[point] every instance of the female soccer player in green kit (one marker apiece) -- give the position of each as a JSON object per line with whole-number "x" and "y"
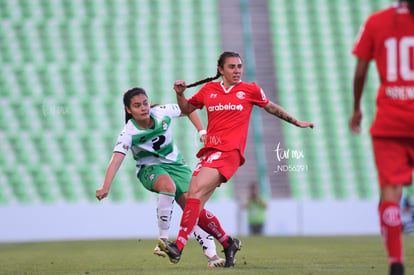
{"x": 160, "y": 166}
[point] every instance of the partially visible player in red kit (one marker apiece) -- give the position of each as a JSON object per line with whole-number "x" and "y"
{"x": 388, "y": 38}
{"x": 229, "y": 104}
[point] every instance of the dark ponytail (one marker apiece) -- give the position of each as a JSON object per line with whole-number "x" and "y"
{"x": 220, "y": 63}
{"x": 205, "y": 80}
{"x": 127, "y": 99}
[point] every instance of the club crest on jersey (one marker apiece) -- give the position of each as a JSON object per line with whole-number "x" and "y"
{"x": 241, "y": 95}
{"x": 213, "y": 95}
{"x": 164, "y": 125}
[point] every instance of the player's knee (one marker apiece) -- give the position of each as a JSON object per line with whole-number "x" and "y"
{"x": 164, "y": 184}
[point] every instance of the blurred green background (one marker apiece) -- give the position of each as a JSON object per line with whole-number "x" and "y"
{"x": 65, "y": 64}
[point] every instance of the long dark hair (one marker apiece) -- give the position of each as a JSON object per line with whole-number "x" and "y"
{"x": 127, "y": 99}
{"x": 220, "y": 63}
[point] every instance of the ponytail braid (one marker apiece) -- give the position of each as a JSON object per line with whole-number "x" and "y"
{"x": 205, "y": 80}
{"x": 220, "y": 63}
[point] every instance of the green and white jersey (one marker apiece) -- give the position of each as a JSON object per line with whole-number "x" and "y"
{"x": 152, "y": 146}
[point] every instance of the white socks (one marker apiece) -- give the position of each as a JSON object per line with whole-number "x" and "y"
{"x": 206, "y": 241}
{"x": 165, "y": 206}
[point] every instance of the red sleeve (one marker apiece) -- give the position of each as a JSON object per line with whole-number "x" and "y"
{"x": 258, "y": 96}
{"x": 364, "y": 45}
{"x": 197, "y": 100}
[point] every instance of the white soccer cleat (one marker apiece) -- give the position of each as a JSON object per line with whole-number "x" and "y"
{"x": 159, "y": 252}
{"x": 215, "y": 261}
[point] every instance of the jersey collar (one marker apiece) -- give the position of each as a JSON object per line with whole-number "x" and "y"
{"x": 137, "y": 126}
{"x": 229, "y": 89}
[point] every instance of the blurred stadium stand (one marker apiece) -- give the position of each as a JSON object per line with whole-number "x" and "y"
{"x": 312, "y": 43}
{"x": 64, "y": 66}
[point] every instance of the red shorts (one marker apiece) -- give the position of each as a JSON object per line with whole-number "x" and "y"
{"x": 226, "y": 163}
{"x": 394, "y": 158}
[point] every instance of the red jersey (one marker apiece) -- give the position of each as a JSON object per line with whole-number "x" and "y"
{"x": 388, "y": 37}
{"x": 228, "y": 113}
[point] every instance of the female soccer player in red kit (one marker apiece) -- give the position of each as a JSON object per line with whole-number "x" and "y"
{"x": 388, "y": 38}
{"x": 229, "y": 104}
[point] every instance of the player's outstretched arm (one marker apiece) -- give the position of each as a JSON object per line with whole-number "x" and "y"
{"x": 110, "y": 173}
{"x": 276, "y": 110}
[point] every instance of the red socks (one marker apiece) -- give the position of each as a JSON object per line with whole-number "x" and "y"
{"x": 206, "y": 220}
{"x": 188, "y": 221}
{"x": 209, "y": 223}
{"x": 391, "y": 230}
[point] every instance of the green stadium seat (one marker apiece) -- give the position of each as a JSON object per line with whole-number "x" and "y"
{"x": 312, "y": 47}
{"x": 63, "y": 71}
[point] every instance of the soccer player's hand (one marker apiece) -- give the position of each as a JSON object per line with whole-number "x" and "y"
{"x": 203, "y": 135}
{"x": 179, "y": 86}
{"x": 101, "y": 193}
{"x": 304, "y": 124}
{"x": 355, "y": 122}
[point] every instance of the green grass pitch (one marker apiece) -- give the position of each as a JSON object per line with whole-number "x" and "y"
{"x": 259, "y": 255}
